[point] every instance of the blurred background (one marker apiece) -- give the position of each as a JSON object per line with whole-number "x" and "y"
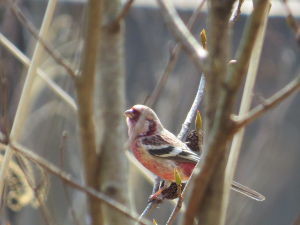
{"x": 270, "y": 154}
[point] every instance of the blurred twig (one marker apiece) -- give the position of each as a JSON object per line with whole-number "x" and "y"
{"x": 69, "y": 201}
{"x": 22, "y": 107}
{"x": 195, "y": 51}
{"x": 84, "y": 84}
{"x": 55, "y": 54}
{"x": 291, "y": 21}
{"x": 236, "y": 13}
{"x": 41, "y": 204}
{"x": 269, "y": 103}
{"x": 76, "y": 185}
{"x": 26, "y": 61}
{"x": 125, "y": 10}
{"x": 297, "y": 221}
{"x": 172, "y": 60}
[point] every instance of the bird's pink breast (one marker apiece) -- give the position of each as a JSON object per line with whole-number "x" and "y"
{"x": 161, "y": 167}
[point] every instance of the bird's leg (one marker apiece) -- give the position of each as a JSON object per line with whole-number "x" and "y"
{"x": 154, "y": 196}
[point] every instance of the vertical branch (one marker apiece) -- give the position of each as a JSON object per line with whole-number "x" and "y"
{"x": 85, "y": 99}
{"x": 109, "y": 108}
{"x": 245, "y": 105}
{"x": 22, "y": 109}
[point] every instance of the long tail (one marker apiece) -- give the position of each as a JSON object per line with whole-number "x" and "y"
{"x": 247, "y": 191}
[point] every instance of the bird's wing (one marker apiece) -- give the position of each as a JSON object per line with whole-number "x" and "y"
{"x": 166, "y": 145}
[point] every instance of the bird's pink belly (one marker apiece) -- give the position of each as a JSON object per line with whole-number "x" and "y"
{"x": 165, "y": 170}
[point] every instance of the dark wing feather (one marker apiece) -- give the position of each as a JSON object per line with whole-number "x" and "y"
{"x": 168, "y": 146}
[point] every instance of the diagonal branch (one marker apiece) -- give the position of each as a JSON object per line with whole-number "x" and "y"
{"x": 195, "y": 51}
{"x": 26, "y": 61}
{"x": 22, "y": 107}
{"x": 172, "y": 60}
{"x": 65, "y": 177}
{"x": 269, "y": 103}
{"x": 55, "y": 54}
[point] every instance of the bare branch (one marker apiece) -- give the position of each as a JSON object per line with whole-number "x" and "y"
{"x": 195, "y": 51}
{"x": 26, "y": 61}
{"x": 153, "y": 204}
{"x": 244, "y": 108}
{"x": 236, "y": 13}
{"x": 172, "y": 60}
{"x": 41, "y": 204}
{"x": 65, "y": 177}
{"x": 187, "y": 123}
{"x": 291, "y": 21}
{"x": 112, "y": 166}
{"x": 125, "y": 10}
{"x": 269, "y": 103}
{"x": 212, "y": 165}
{"x": 55, "y": 54}
{"x": 84, "y": 83}
{"x": 69, "y": 201}
{"x": 22, "y": 107}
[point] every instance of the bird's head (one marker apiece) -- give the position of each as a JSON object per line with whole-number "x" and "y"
{"x": 141, "y": 114}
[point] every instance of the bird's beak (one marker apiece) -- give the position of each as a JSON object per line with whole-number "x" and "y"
{"x": 129, "y": 113}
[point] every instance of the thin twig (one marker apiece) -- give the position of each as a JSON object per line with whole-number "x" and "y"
{"x": 55, "y": 54}
{"x": 172, "y": 60}
{"x": 41, "y": 204}
{"x": 153, "y": 204}
{"x": 195, "y": 51}
{"x": 76, "y": 185}
{"x": 291, "y": 21}
{"x": 187, "y": 123}
{"x": 269, "y": 103}
{"x": 22, "y": 107}
{"x": 64, "y": 138}
{"x": 236, "y": 13}
{"x": 297, "y": 220}
{"x": 125, "y": 10}
{"x": 177, "y": 207}
{"x": 26, "y": 61}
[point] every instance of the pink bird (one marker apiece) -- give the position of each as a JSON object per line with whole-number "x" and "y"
{"x": 160, "y": 151}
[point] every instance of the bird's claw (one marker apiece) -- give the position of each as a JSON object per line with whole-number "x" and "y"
{"x": 155, "y": 198}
